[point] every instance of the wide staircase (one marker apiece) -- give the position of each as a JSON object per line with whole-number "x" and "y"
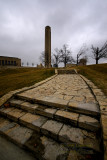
{"x": 52, "y": 131}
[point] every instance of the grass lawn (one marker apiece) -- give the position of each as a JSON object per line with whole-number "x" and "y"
{"x": 12, "y": 79}
{"x": 97, "y": 74}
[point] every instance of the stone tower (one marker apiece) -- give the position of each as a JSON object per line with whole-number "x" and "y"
{"x": 47, "y": 46}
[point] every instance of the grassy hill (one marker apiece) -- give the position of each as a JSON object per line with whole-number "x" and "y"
{"x": 97, "y": 74}
{"x": 12, "y": 79}
{"x": 16, "y": 78}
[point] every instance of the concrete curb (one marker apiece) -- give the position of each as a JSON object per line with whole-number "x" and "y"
{"x": 102, "y": 100}
{"x": 9, "y": 95}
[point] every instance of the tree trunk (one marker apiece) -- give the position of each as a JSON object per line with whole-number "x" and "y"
{"x": 77, "y": 59}
{"x": 97, "y": 56}
{"x": 96, "y": 61}
{"x": 65, "y": 62}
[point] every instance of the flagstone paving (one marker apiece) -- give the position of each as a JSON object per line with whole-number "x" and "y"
{"x": 65, "y": 91}
{"x": 59, "y": 119}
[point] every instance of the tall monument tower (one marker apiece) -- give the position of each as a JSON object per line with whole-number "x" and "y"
{"x": 47, "y": 46}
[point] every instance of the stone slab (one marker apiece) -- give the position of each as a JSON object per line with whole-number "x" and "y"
{"x": 33, "y": 121}
{"x": 89, "y": 123}
{"x": 79, "y": 136}
{"x": 2, "y": 121}
{"x": 14, "y": 132}
{"x": 29, "y": 107}
{"x": 47, "y": 112}
{"x": 52, "y": 101}
{"x": 39, "y": 122}
{"x": 68, "y": 117}
{"x": 19, "y": 135}
{"x": 15, "y": 114}
{"x": 85, "y": 108}
{"x": 15, "y": 102}
{"x": 46, "y": 148}
{"x": 5, "y": 125}
{"x": 51, "y": 128}
{"x": 4, "y": 111}
{"x": 53, "y": 150}
{"x": 40, "y": 110}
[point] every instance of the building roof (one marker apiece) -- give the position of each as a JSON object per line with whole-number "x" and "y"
{"x": 9, "y": 57}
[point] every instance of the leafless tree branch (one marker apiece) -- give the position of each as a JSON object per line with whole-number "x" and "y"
{"x": 99, "y": 53}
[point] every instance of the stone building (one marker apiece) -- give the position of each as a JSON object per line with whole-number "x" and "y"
{"x": 40, "y": 65}
{"x": 9, "y": 61}
{"x": 82, "y": 62}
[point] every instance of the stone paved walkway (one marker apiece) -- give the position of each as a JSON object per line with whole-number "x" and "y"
{"x": 59, "y": 119}
{"x": 69, "y": 90}
{"x": 66, "y": 87}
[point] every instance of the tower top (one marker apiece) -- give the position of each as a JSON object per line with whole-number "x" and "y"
{"x": 47, "y": 27}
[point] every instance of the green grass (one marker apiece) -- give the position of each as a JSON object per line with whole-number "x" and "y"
{"x": 97, "y": 74}
{"x": 12, "y": 79}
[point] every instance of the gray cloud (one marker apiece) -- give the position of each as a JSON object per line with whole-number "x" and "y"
{"x": 22, "y": 25}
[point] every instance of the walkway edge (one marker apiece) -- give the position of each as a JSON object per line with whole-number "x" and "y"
{"x": 102, "y": 100}
{"x": 10, "y": 94}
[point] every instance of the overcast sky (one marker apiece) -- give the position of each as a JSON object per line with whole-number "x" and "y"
{"x": 72, "y": 22}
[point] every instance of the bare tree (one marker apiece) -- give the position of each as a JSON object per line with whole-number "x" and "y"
{"x": 65, "y": 55}
{"x": 56, "y": 59}
{"x": 99, "y": 53}
{"x": 81, "y": 52}
{"x": 42, "y": 58}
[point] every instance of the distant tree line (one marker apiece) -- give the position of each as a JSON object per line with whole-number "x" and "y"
{"x": 64, "y": 55}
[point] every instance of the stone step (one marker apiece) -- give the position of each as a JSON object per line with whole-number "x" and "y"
{"x": 42, "y": 147}
{"x": 54, "y": 129}
{"x": 16, "y": 133}
{"x": 66, "y": 71}
{"x": 90, "y": 109}
{"x": 74, "y": 119}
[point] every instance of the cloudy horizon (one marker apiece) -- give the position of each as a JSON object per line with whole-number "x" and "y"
{"x": 22, "y": 26}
